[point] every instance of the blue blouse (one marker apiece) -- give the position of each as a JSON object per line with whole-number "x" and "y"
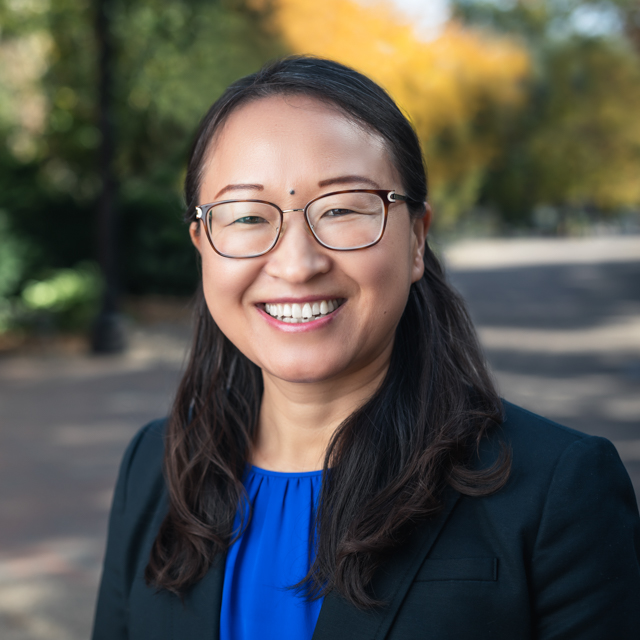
{"x": 272, "y": 554}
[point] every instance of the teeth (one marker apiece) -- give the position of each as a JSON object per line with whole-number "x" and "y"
{"x": 295, "y": 313}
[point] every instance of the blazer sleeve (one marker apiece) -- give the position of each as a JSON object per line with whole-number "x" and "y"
{"x": 111, "y": 618}
{"x": 586, "y": 560}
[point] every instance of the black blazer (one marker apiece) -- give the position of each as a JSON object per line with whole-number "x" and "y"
{"x": 553, "y": 555}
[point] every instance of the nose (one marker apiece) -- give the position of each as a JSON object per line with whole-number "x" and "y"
{"x": 297, "y": 257}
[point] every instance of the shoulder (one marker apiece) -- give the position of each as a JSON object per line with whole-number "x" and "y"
{"x": 581, "y": 525}
{"x": 528, "y": 429}
{"x": 147, "y": 444}
{"x": 554, "y": 552}
{"x": 558, "y": 474}
{"x": 561, "y": 457}
{"x": 540, "y": 446}
{"x": 141, "y": 467}
{"x": 553, "y": 469}
{"x": 139, "y": 502}
{"x": 139, "y": 505}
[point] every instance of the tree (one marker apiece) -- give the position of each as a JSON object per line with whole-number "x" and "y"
{"x": 576, "y": 144}
{"x": 173, "y": 58}
{"x": 455, "y": 88}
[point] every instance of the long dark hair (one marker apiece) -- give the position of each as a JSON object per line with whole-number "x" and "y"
{"x": 391, "y": 459}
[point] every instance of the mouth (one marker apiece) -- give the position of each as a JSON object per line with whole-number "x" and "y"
{"x": 299, "y": 313}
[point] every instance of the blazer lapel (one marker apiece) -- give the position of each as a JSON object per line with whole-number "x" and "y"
{"x": 338, "y": 619}
{"x": 199, "y": 615}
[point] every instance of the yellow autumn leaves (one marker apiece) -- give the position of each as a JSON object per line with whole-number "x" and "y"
{"x": 444, "y": 84}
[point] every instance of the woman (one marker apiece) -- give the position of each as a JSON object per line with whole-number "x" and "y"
{"x": 337, "y": 463}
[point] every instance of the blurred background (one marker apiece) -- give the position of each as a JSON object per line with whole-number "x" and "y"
{"x": 529, "y": 115}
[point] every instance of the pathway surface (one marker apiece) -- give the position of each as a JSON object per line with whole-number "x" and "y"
{"x": 560, "y": 321}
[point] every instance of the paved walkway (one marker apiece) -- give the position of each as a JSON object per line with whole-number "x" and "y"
{"x": 560, "y": 321}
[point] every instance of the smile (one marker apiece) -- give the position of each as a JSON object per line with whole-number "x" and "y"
{"x": 294, "y": 313}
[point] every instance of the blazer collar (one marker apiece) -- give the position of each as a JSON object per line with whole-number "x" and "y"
{"x": 339, "y": 619}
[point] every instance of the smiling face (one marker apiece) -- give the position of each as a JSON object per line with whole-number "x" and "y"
{"x": 290, "y": 150}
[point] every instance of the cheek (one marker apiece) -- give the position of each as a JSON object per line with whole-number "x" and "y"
{"x": 225, "y": 282}
{"x": 385, "y": 278}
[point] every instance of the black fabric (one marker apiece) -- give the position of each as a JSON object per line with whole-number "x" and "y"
{"x": 554, "y": 555}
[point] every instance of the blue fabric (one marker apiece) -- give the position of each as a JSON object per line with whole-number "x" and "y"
{"x": 272, "y": 554}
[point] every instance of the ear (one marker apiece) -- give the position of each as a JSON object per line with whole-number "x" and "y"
{"x": 195, "y": 235}
{"x": 420, "y": 231}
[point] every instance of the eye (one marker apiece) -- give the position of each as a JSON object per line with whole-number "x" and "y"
{"x": 337, "y": 213}
{"x": 249, "y": 220}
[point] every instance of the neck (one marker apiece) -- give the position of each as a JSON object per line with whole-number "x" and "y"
{"x": 297, "y": 420}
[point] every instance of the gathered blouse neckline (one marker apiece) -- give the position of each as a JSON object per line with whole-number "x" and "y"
{"x": 282, "y": 474}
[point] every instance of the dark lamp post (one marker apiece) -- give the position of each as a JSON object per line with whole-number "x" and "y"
{"x": 108, "y": 332}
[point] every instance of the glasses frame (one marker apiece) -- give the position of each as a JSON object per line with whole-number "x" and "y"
{"x": 388, "y": 196}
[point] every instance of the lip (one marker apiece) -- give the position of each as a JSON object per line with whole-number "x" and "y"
{"x": 302, "y": 326}
{"x": 302, "y": 300}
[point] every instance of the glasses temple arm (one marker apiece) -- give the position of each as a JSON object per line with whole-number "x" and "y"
{"x": 396, "y": 197}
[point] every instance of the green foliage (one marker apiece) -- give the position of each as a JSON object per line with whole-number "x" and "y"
{"x": 528, "y": 19}
{"x": 574, "y": 144}
{"x": 156, "y": 253}
{"x": 575, "y": 147}
{"x": 172, "y": 59}
{"x": 587, "y": 146}
{"x": 179, "y": 57}
{"x": 53, "y": 227}
{"x": 12, "y": 258}
{"x": 68, "y": 298}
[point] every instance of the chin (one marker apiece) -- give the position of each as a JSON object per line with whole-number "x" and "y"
{"x": 303, "y": 372}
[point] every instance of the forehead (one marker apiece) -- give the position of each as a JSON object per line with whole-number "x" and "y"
{"x": 292, "y": 141}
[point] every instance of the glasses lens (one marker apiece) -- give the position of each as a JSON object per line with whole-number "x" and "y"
{"x": 347, "y": 220}
{"x": 243, "y": 229}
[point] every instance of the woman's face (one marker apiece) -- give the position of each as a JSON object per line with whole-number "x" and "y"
{"x": 289, "y": 150}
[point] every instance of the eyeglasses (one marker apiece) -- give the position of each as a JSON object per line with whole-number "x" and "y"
{"x": 341, "y": 220}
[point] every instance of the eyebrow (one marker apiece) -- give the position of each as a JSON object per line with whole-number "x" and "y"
{"x": 239, "y": 187}
{"x": 322, "y": 183}
{"x": 348, "y": 180}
